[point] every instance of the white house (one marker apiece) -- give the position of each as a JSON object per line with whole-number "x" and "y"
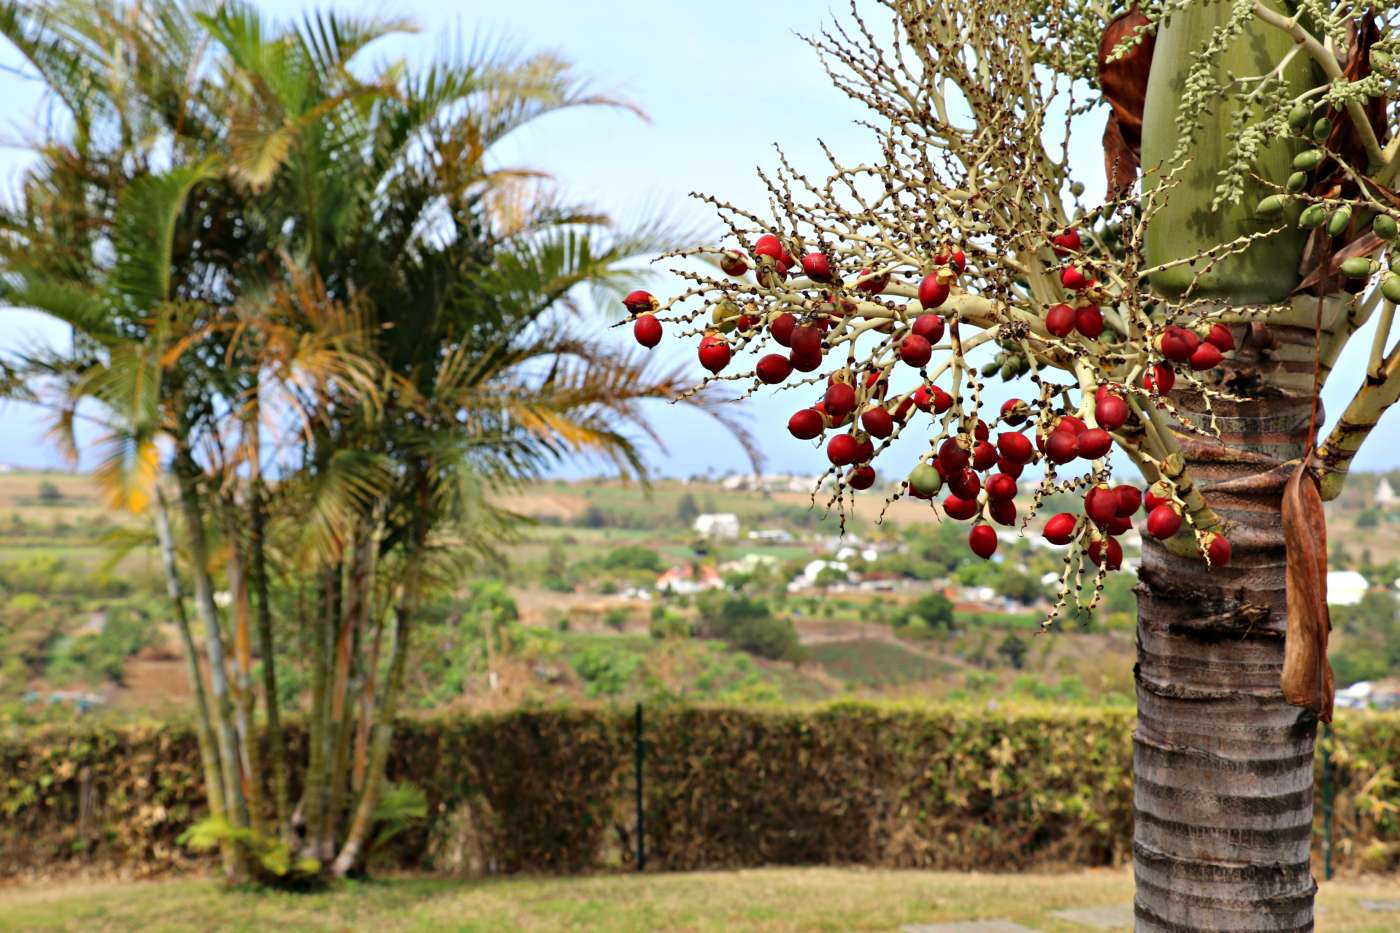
{"x": 1385, "y": 494}
{"x": 718, "y": 525}
{"x": 1345, "y": 587}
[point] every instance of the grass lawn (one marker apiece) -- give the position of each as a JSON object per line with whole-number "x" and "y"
{"x": 763, "y": 899}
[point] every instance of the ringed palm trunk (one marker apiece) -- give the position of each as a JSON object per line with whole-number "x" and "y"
{"x": 1222, "y": 764}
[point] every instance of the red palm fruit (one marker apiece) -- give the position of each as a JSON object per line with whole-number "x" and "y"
{"x": 929, "y": 327}
{"x": 733, "y": 263}
{"x": 876, "y": 384}
{"x": 746, "y": 322}
{"x": 1207, "y": 356}
{"x": 1157, "y": 494}
{"x": 1070, "y": 423}
{"x": 1088, "y": 320}
{"x": 865, "y": 448}
{"x": 843, "y": 449}
{"x": 1106, "y": 554}
{"x": 1014, "y": 411}
{"x": 832, "y": 422}
{"x": 1014, "y": 447}
{"x": 1012, "y": 470}
{"x": 1061, "y": 447}
{"x": 1073, "y": 279}
{"x": 872, "y": 285}
{"x": 1001, "y": 487}
{"x": 959, "y": 509}
{"x": 915, "y": 351}
{"x": 782, "y": 326}
{"x": 1101, "y": 504}
{"x": 942, "y": 401}
{"x": 932, "y": 293}
{"x": 770, "y": 246}
{"x": 773, "y": 368}
{"x": 862, "y": 477}
{"x": 1060, "y": 528}
{"x": 1119, "y": 524}
{"x": 1176, "y": 343}
{"x": 1110, "y": 411}
{"x": 1059, "y": 320}
{"x": 1094, "y": 443}
{"x": 806, "y": 340}
{"x": 1221, "y": 338}
{"x": 980, "y": 431}
{"x": 1066, "y": 243}
{"x": 1129, "y": 498}
{"x": 1164, "y": 521}
{"x": 952, "y": 455}
{"x": 804, "y": 363}
{"x": 982, "y": 539}
{"x": 806, "y": 424}
{"x": 923, "y": 398}
{"x": 1218, "y": 549}
{"x": 770, "y": 273}
{"x": 965, "y": 484}
{"x": 647, "y": 330}
{"x": 715, "y": 353}
{"x": 903, "y": 409}
{"x": 1003, "y": 512}
{"x": 817, "y": 267}
{"x": 1160, "y": 379}
{"x": 877, "y": 421}
{"x": 840, "y": 399}
{"x": 957, "y": 261}
{"x": 984, "y": 456}
{"x": 640, "y": 302}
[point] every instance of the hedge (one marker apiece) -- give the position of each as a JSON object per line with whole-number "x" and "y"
{"x": 552, "y": 791}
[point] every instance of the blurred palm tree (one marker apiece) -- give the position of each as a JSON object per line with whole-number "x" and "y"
{"x": 303, "y": 280}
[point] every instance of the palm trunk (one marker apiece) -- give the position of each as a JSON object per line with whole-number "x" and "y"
{"x": 363, "y": 820}
{"x": 257, "y": 546}
{"x": 341, "y": 700}
{"x": 234, "y": 802}
{"x": 245, "y": 696}
{"x": 1223, "y": 766}
{"x": 313, "y": 803}
{"x": 204, "y": 729}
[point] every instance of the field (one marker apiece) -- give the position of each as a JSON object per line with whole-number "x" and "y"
{"x": 771, "y": 899}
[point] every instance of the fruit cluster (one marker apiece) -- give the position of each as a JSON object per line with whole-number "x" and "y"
{"x": 912, "y": 327}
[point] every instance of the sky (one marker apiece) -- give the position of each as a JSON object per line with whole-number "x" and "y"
{"x": 720, "y": 84}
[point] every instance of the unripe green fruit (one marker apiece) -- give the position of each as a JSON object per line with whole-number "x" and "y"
{"x": 1395, "y": 265}
{"x": 1297, "y": 182}
{"x": 1390, "y": 288}
{"x": 1321, "y": 128}
{"x": 1339, "y": 221}
{"x": 1359, "y": 267}
{"x": 991, "y": 369}
{"x": 1077, "y": 188}
{"x": 1271, "y": 206}
{"x": 1384, "y": 226}
{"x": 1380, "y": 61}
{"x": 1308, "y": 159}
{"x": 1314, "y": 215}
{"x": 925, "y": 480}
{"x": 1299, "y": 115}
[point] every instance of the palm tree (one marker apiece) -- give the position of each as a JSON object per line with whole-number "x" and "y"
{"x": 328, "y": 307}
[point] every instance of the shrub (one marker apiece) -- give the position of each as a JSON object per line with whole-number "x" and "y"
{"x": 746, "y": 623}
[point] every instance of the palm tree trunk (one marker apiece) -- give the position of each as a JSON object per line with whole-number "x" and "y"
{"x": 1223, "y": 766}
{"x": 341, "y": 701}
{"x": 257, "y": 547}
{"x": 204, "y": 729}
{"x": 234, "y": 802}
{"x": 245, "y": 697}
{"x": 313, "y": 803}
{"x": 363, "y": 820}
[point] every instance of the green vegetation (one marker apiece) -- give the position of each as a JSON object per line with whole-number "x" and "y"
{"x": 770, "y": 899}
{"x": 870, "y": 663}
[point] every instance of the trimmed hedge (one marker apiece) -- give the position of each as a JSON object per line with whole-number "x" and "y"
{"x": 553, "y": 791}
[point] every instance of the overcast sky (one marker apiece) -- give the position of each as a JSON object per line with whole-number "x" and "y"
{"x": 721, "y": 84}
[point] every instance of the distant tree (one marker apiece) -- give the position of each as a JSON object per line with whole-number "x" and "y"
{"x": 634, "y": 557}
{"x": 932, "y": 609}
{"x": 1013, "y": 649}
{"x": 1369, "y": 518}
{"x": 49, "y": 493}
{"x": 686, "y": 510}
{"x": 748, "y": 625}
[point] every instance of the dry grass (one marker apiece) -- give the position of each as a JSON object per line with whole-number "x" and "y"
{"x": 776, "y": 899}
